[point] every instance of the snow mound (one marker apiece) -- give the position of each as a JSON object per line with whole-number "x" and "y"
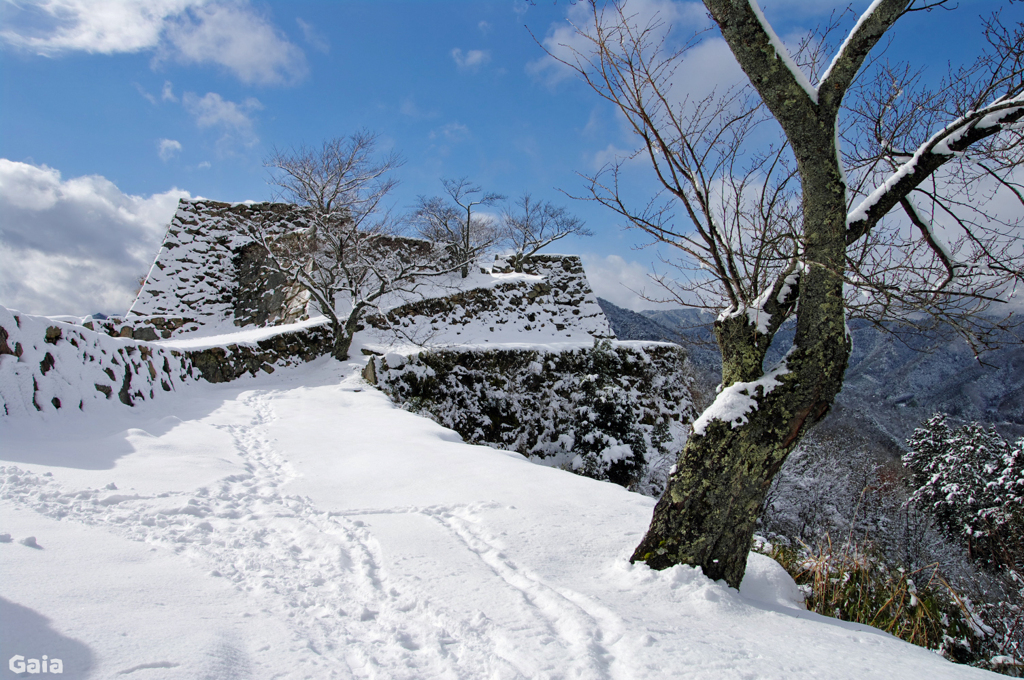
{"x": 766, "y": 581}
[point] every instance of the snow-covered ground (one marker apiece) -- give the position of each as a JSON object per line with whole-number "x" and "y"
{"x": 298, "y": 525}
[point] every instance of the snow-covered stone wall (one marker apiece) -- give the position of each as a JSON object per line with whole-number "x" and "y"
{"x": 209, "y": 272}
{"x": 614, "y": 411}
{"x": 208, "y": 269}
{"x": 208, "y": 279}
{"x": 552, "y": 303}
{"x": 48, "y": 365}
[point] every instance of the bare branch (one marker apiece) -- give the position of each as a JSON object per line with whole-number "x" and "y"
{"x": 347, "y": 256}
{"x": 529, "y": 226}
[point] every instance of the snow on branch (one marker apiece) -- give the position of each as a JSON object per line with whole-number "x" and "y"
{"x": 736, "y": 402}
{"x": 841, "y": 52}
{"x": 949, "y": 142}
{"x": 782, "y": 52}
{"x": 769, "y": 309}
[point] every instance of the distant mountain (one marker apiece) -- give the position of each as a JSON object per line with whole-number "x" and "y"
{"x": 629, "y": 325}
{"x": 892, "y": 384}
{"x": 687, "y": 327}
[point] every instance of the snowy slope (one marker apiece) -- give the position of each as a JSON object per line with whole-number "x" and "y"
{"x": 297, "y": 525}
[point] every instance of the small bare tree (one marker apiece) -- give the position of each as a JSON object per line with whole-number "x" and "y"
{"x": 529, "y": 226}
{"x": 347, "y": 255}
{"x": 451, "y": 220}
{"x": 804, "y": 229}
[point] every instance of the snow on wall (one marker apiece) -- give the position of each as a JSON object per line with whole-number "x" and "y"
{"x": 207, "y": 273}
{"x": 48, "y": 366}
{"x": 554, "y": 303}
{"x": 196, "y": 272}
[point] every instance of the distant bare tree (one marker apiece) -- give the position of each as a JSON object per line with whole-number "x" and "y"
{"x": 451, "y": 220}
{"x": 347, "y": 255}
{"x": 900, "y": 226}
{"x": 529, "y": 226}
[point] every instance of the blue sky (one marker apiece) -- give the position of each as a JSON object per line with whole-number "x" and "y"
{"x": 109, "y": 111}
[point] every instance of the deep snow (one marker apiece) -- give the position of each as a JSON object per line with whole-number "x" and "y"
{"x": 299, "y": 525}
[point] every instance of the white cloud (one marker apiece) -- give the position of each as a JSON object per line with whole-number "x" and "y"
{"x": 230, "y": 34}
{"x": 472, "y": 60}
{"x": 145, "y": 95}
{"x": 98, "y": 26}
{"x": 315, "y": 38}
{"x": 167, "y": 94}
{"x": 167, "y": 148}
{"x": 563, "y": 41}
{"x": 212, "y": 110}
{"x": 233, "y": 36}
{"x": 74, "y": 246}
{"x": 451, "y": 132}
{"x": 410, "y": 108}
{"x": 621, "y": 282}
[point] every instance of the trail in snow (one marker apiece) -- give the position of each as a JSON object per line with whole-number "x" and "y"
{"x": 322, "y": 572}
{"x": 361, "y": 541}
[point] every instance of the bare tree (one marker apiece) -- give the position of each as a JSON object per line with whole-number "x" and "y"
{"x": 901, "y": 226}
{"x": 451, "y": 220}
{"x": 347, "y": 254}
{"x": 529, "y": 226}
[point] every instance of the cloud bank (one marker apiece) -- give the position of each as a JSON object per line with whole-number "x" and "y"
{"x": 75, "y": 246}
{"x": 622, "y": 282}
{"x": 232, "y": 34}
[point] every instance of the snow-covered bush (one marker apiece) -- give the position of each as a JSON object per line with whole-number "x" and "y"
{"x": 972, "y": 481}
{"x": 842, "y": 524}
{"x": 618, "y": 412}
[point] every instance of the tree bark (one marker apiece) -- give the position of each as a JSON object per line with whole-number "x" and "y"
{"x": 343, "y": 333}
{"x": 709, "y": 510}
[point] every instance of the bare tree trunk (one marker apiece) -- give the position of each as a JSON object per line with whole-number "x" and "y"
{"x": 709, "y": 510}
{"x": 767, "y": 263}
{"x": 344, "y": 333}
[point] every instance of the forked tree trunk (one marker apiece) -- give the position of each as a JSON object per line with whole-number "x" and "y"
{"x": 708, "y": 512}
{"x": 344, "y": 332}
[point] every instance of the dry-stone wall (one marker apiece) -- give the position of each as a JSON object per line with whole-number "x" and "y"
{"x": 223, "y": 364}
{"x": 208, "y": 270}
{"x": 619, "y": 412}
{"x": 557, "y": 301}
{"x": 47, "y": 366}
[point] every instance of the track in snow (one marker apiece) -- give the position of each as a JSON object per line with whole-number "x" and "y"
{"x": 323, "y": 574}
